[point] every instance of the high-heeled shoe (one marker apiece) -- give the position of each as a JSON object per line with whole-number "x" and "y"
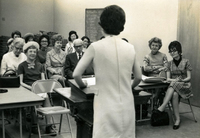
{"x": 176, "y": 126}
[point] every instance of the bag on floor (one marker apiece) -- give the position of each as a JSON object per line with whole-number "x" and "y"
{"x": 159, "y": 118}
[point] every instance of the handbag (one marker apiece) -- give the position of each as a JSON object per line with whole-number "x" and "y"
{"x": 159, "y": 118}
{"x": 10, "y": 81}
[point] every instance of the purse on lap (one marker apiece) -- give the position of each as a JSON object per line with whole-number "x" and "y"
{"x": 9, "y": 81}
{"x": 159, "y": 118}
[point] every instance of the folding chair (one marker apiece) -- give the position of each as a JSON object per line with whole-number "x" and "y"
{"x": 191, "y": 110}
{"x": 44, "y": 86}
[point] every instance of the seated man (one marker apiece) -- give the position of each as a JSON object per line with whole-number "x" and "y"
{"x": 73, "y": 58}
{"x": 12, "y": 59}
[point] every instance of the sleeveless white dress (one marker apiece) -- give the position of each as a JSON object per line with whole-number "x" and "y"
{"x": 114, "y": 111}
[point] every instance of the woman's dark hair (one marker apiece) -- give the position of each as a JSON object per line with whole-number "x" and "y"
{"x": 44, "y": 36}
{"x": 70, "y": 33}
{"x": 112, "y": 19}
{"x": 175, "y": 45}
{"x": 85, "y": 37}
{"x": 31, "y": 47}
{"x": 56, "y": 37}
{"x": 15, "y": 32}
{"x": 155, "y": 40}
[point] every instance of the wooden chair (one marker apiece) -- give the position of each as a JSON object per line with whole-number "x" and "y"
{"x": 47, "y": 86}
{"x": 191, "y": 110}
{"x": 140, "y": 99}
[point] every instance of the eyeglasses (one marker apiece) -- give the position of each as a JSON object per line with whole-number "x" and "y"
{"x": 172, "y": 51}
{"x": 17, "y": 48}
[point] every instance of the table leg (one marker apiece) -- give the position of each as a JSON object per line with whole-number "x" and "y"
{"x": 20, "y": 121}
{"x": 3, "y": 124}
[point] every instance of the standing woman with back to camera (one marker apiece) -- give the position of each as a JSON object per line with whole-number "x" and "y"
{"x": 114, "y": 60}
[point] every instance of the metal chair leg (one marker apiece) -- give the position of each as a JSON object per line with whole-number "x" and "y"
{"x": 192, "y": 110}
{"x": 70, "y": 126}
{"x": 60, "y": 125}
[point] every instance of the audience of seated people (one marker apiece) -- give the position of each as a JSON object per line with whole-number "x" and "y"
{"x": 31, "y": 71}
{"x": 11, "y": 60}
{"x": 69, "y": 48}
{"x": 55, "y": 60}
{"x": 26, "y": 58}
{"x": 73, "y": 59}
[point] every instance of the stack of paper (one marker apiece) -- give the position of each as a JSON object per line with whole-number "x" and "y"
{"x": 153, "y": 79}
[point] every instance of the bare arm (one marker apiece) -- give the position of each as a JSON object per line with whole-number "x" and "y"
{"x": 22, "y": 83}
{"x": 137, "y": 74}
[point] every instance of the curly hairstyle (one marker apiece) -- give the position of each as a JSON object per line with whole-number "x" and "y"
{"x": 15, "y": 32}
{"x": 56, "y": 37}
{"x": 155, "y": 40}
{"x": 44, "y": 36}
{"x": 112, "y": 19}
{"x": 70, "y": 33}
{"x": 175, "y": 45}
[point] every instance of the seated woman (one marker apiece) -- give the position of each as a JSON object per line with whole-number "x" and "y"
{"x": 11, "y": 60}
{"x": 30, "y": 71}
{"x": 155, "y": 62}
{"x": 179, "y": 74}
{"x": 69, "y": 48}
{"x": 44, "y": 48}
{"x": 55, "y": 60}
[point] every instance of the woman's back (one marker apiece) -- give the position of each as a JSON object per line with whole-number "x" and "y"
{"x": 113, "y": 62}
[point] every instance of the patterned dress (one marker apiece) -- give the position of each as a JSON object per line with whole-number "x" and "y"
{"x": 182, "y": 88}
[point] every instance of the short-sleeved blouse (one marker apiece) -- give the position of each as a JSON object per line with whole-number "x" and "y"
{"x": 151, "y": 61}
{"x": 30, "y": 74}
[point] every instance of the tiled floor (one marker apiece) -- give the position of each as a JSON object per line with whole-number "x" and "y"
{"x": 188, "y": 128}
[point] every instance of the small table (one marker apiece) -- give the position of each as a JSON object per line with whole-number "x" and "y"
{"x": 151, "y": 86}
{"x": 18, "y": 98}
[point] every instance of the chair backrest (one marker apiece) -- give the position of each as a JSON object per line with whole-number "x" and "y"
{"x": 45, "y": 86}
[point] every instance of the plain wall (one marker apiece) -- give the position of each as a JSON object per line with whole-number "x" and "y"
{"x": 26, "y": 16}
{"x": 144, "y": 19}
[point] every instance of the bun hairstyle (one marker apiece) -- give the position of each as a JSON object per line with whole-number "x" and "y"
{"x": 70, "y": 33}
{"x": 112, "y": 20}
{"x": 155, "y": 40}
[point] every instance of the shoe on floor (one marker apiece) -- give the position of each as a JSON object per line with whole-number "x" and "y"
{"x": 50, "y": 129}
